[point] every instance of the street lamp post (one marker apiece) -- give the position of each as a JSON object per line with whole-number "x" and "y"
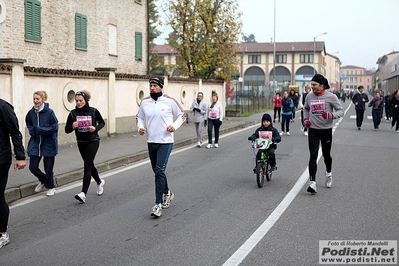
{"x": 314, "y": 52}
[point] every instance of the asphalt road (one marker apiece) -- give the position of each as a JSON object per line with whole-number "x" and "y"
{"x": 218, "y": 206}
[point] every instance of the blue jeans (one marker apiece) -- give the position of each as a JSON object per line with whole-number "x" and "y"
{"x": 213, "y": 123}
{"x": 159, "y": 155}
{"x": 377, "y": 115}
{"x": 285, "y": 122}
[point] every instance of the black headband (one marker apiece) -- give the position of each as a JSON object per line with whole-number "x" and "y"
{"x": 81, "y": 93}
{"x": 157, "y": 81}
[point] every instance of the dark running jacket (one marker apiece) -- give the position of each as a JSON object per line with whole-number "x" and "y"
{"x": 86, "y": 116}
{"x": 9, "y": 128}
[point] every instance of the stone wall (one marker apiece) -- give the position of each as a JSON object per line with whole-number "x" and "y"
{"x": 128, "y": 92}
{"x": 57, "y": 47}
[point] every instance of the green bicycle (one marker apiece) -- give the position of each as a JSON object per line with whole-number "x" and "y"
{"x": 263, "y": 167}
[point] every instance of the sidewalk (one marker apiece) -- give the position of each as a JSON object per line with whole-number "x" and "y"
{"x": 114, "y": 152}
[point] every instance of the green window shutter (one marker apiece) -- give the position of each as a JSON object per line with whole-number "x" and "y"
{"x": 139, "y": 45}
{"x": 80, "y": 31}
{"x": 33, "y": 20}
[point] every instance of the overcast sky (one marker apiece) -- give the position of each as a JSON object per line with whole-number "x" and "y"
{"x": 358, "y": 31}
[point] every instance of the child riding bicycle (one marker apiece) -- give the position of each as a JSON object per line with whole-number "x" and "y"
{"x": 266, "y": 130}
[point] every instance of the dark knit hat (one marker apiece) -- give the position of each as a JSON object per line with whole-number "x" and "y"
{"x": 266, "y": 117}
{"x": 322, "y": 80}
{"x": 157, "y": 80}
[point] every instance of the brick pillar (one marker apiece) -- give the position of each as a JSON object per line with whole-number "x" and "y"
{"x": 111, "y": 117}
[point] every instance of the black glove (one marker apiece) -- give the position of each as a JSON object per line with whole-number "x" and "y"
{"x": 198, "y": 110}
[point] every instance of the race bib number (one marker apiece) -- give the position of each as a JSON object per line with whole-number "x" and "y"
{"x": 84, "y": 122}
{"x": 265, "y": 134}
{"x": 317, "y": 106}
{"x": 213, "y": 114}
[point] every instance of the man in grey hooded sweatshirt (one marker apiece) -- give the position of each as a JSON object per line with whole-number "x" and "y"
{"x": 321, "y": 107}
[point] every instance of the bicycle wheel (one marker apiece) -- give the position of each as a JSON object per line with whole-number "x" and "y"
{"x": 268, "y": 171}
{"x": 260, "y": 174}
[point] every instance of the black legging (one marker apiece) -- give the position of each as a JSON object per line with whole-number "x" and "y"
{"x": 315, "y": 137}
{"x": 277, "y": 111}
{"x": 359, "y": 117}
{"x": 395, "y": 119}
{"x": 4, "y": 210}
{"x": 88, "y": 151}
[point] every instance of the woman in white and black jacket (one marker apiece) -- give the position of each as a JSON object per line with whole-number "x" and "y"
{"x": 86, "y": 121}
{"x": 215, "y": 118}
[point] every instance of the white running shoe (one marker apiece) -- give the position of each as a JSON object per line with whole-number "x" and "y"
{"x": 199, "y": 144}
{"x": 167, "y": 198}
{"x": 39, "y": 187}
{"x": 216, "y": 145}
{"x": 328, "y": 180}
{"x": 312, "y": 187}
{"x": 288, "y": 133}
{"x": 209, "y": 146}
{"x": 51, "y": 192}
{"x": 282, "y": 133}
{"x": 81, "y": 197}
{"x": 100, "y": 188}
{"x": 156, "y": 210}
{"x": 4, "y": 240}
{"x": 306, "y": 133}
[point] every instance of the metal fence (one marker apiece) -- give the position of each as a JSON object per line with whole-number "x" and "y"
{"x": 248, "y": 100}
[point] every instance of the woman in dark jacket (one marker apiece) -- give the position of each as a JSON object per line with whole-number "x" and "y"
{"x": 86, "y": 121}
{"x": 378, "y": 107}
{"x": 43, "y": 129}
{"x": 395, "y": 110}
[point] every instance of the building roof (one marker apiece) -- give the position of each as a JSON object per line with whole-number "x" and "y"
{"x": 254, "y": 47}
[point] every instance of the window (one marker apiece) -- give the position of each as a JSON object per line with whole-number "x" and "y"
{"x": 80, "y": 31}
{"x": 112, "y": 40}
{"x": 33, "y": 20}
{"x": 253, "y": 59}
{"x": 306, "y": 58}
{"x": 281, "y": 58}
{"x": 139, "y": 45}
{"x": 161, "y": 59}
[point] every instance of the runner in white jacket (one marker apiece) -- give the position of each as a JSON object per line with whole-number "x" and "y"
{"x": 158, "y": 111}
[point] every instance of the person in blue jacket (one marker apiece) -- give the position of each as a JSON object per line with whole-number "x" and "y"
{"x": 43, "y": 143}
{"x": 360, "y": 99}
{"x": 267, "y": 125}
{"x": 287, "y": 105}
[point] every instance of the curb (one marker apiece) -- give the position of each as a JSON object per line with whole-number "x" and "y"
{"x": 15, "y": 193}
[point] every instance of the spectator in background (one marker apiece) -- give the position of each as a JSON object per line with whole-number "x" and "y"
{"x": 199, "y": 110}
{"x": 277, "y": 106}
{"x": 302, "y": 103}
{"x": 215, "y": 118}
{"x": 286, "y": 105}
{"x": 394, "y": 100}
{"x": 295, "y": 99}
{"x": 43, "y": 130}
{"x": 360, "y": 99}
{"x": 377, "y": 104}
{"x": 388, "y": 108}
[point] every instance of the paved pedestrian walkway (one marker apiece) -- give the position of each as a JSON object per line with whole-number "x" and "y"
{"x": 114, "y": 152}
